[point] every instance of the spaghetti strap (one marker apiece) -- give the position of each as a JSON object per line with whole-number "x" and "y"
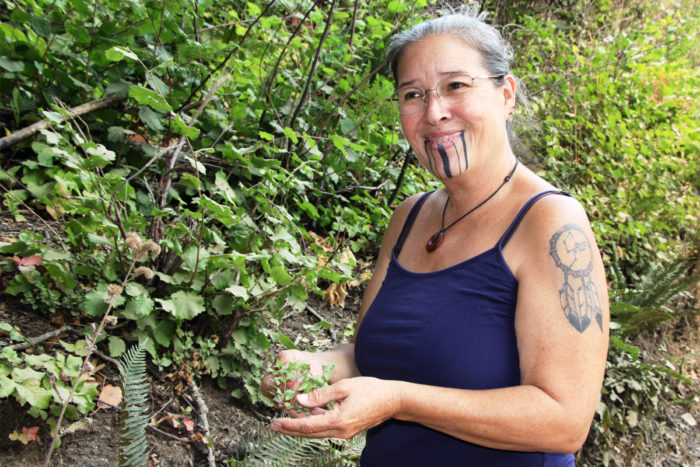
{"x": 410, "y": 219}
{"x": 521, "y": 214}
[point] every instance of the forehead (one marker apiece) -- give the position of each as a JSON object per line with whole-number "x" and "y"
{"x": 436, "y": 56}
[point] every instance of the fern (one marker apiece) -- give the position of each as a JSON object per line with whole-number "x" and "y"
{"x": 616, "y": 274}
{"x": 271, "y": 449}
{"x": 647, "y": 304}
{"x": 133, "y": 446}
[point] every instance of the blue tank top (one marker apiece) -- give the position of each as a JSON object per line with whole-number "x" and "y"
{"x": 450, "y": 328}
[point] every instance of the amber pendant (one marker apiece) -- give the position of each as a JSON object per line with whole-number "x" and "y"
{"x": 435, "y": 241}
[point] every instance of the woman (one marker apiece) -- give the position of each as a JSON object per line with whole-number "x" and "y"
{"x": 483, "y": 333}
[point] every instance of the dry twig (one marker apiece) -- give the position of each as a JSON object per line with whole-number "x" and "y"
{"x": 204, "y": 421}
{"x": 313, "y": 312}
{"x": 34, "y": 341}
{"x": 34, "y": 128}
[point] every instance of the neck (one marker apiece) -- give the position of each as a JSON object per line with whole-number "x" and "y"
{"x": 472, "y": 187}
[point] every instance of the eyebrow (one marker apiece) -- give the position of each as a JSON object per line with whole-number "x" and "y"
{"x": 442, "y": 74}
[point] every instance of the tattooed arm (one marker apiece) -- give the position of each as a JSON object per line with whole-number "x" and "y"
{"x": 562, "y": 314}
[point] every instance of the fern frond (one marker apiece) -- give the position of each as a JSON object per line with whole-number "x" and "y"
{"x": 646, "y": 304}
{"x": 271, "y": 449}
{"x": 616, "y": 274}
{"x": 133, "y": 445}
{"x": 662, "y": 284}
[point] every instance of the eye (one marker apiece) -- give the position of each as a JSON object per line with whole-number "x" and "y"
{"x": 458, "y": 84}
{"x": 410, "y": 94}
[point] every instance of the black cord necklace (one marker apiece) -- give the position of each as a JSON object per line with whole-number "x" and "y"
{"x": 436, "y": 240}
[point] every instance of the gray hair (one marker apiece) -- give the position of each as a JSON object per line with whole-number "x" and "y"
{"x": 468, "y": 24}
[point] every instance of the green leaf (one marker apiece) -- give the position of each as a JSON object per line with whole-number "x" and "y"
{"x": 138, "y": 307}
{"x": 183, "y": 305}
{"x": 7, "y": 387}
{"x": 10, "y": 355}
{"x": 195, "y": 257}
{"x": 35, "y": 395}
{"x": 346, "y": 125}
{"x": 286, "y": 341}
{"x": 116, "y": 54}
{"x": 100, "y": 156}
{"x": 150, "y": 118}
{"x": 189, "y": 180}
{"x": 26, "y": 375}
{"x": 291, "y": 134}
{"x": 163, "y": 333}
{"x": 396, "y": 6}
{"x": 117, "y": 346}
{"x": 28, "y": 386}
{"x": 182, "y": 128}
{"x": 280, "y": 275}
{"x": 238, "y": 291}
{"x": 223, "y": 304}
{"x": 11, "y": 65}
{"x": 266, "y": 136}
{"x": 340, "y": 142}
{"x": 152, "y": 99}
{"x": 134, "y": 289}
{"x": 96, "y": 302}
{"x": 97, "y": 240}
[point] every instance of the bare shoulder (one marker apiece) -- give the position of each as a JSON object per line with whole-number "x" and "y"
{"x": 551, "y": 216}
{"x": 398, "y": 218}
{"x": 406, "y": 205}
{"x": 554, "y": 249}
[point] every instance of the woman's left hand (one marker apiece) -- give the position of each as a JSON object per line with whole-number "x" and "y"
{"x": 360, "y": 403}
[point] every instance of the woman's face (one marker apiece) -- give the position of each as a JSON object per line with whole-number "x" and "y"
{"x": 448, "y": 138}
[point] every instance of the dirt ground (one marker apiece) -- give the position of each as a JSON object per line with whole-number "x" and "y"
{"x": 233, "y": 424}
{"x": 670, "y": 439}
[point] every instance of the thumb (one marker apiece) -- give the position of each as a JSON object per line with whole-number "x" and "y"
{"x": 319, "y": 397}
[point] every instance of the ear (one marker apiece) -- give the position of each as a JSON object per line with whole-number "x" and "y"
{"x": 509, "y": 89}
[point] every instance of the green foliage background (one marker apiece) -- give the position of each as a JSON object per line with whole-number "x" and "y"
{"x": 256, "y": 144}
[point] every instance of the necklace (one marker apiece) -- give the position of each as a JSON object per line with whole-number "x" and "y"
{"x": 436, "y": 240}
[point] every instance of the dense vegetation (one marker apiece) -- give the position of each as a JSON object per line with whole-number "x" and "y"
{"x": 254, "y": 149}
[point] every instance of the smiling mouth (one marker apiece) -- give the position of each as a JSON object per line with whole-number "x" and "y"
{"x": 447, "y": 140}
{"x": 441, "y": 145}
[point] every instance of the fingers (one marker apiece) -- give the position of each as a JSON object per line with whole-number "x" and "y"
{"x": 322, "y": 423}
{"x": 321, "y": 426}
{"x": 322, "y": 396}
{"x": 299, "y": 414}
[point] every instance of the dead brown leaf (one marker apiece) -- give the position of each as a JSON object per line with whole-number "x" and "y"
{"x": 336, "y": 293}
{"x": 110, "y": 396}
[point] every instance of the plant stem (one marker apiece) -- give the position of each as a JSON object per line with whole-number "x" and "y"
{"x": 91, "y": 348}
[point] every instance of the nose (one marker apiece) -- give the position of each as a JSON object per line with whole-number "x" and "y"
{"x": 435, "y": 109}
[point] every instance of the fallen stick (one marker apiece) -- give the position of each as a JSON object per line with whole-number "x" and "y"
{"x": 313, "y": 312}
{"x": 109, "y": 359}
{"x": 33, "y": 341}
{"x": 34, "y": 128}
{"x": 204, "y": 421}
{"x": 165, "y": 433}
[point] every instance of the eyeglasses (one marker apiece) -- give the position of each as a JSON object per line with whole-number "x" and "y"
{"x": 449, "y": 91}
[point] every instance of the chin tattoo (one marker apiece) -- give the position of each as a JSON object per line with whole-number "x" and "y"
{"x": 453, "y": 167}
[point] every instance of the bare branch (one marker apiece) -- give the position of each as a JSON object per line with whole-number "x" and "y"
{"x": 204, "y": 421}
{"x": 312, "y": 71}
{"x": 34, "y": 341}
{"x": 34, "y": 128}
{"x": 228, "y": 57}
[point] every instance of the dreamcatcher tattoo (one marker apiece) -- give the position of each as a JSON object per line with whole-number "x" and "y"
{"x": 573, "y": 254}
